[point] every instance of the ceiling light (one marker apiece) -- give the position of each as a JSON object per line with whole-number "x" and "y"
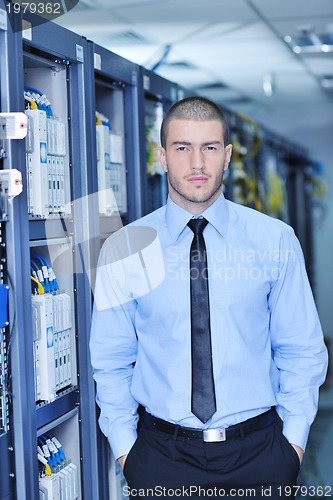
{"x": 327, "y": 82}
{"x": 307, "y": 42}
{"x": 268, "y": 84}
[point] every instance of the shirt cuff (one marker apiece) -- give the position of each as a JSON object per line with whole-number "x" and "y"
{"x": 296, "y": 430}
{"x": 122, "y": 440}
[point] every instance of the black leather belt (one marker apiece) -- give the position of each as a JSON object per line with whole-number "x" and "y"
{"x": 211, "y": 435}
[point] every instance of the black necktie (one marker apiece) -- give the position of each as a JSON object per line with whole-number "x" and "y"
{"x": 203, "y": 393}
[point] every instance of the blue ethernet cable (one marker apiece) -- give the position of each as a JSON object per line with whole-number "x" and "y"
{"x": 46, "y": 107}
{"x": 34, "y": 93}
{"x": 33, "y": 89}
{"x": 56, "y": 455}
{"x": 60, "y": 450}
{"x": 49, "y": 459}
{"x": 34, "y": 261}
{"x": 37, "y": 259}
{"x": 45, "y": 263}
{"x": 42, "y": 260}
{"x": 40, "y": 282}
{"x": 45, "y": 468}
{"x": 53, "y": 283}
{"x": 54, "y": 280}
{"x": 35, "y": 279}
{"x": 52, "y": 460}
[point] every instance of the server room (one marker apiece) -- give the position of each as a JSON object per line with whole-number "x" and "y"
{"x": 166, "y": 242}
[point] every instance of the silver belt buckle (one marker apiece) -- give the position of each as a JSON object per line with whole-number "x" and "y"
{"x": 214, "y": 435}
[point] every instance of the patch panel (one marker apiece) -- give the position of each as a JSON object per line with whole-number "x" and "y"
{"x": 52, "y": 332}
{"x": 117, "y": 169}
{"x": 110, "y": 167}
{"x": 52, "y": 328}
{"x": 46, "y": 152}
{"x": 106, "y": 206}
{"x": 37, "y": 163}
{"x": 42, "y": 307}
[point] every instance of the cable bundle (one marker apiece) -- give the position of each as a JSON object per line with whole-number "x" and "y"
{"x": 57, "y": 474}
{"x": 42, "y": 275}
{"x": 50, "y": 455}
{"x": 35, "y": 99}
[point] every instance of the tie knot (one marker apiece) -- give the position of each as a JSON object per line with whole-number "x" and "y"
{"x": 197, "y": 225}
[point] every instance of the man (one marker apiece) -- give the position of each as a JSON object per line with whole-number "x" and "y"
{"x": 210, "y": 334}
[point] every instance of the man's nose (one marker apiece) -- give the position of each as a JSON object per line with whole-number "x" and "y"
{"x": 197, "y": 160}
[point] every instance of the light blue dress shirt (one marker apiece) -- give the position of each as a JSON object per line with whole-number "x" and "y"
{"x": 267, "y": 342}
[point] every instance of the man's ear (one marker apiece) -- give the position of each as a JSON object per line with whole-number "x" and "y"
{"x": 162, "y": 158}
{"x": 228, "y": 152}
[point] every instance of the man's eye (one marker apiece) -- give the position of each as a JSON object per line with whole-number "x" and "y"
{"x": 211, "y": 148}
{"x": 182, "y": 148}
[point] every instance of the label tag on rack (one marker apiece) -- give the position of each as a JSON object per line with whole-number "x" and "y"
{"x": 15, "y": 125}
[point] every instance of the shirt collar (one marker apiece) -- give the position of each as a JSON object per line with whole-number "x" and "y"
{"x": 177, "y": 218}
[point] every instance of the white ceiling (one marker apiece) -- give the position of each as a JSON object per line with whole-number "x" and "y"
{"x": 223, "y": 49}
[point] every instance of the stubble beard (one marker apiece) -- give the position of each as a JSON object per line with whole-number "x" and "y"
{"x": 195, "y": 197}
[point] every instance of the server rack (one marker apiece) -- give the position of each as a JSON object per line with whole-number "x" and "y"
{"x": 272, "y": 175}
{"x": 19, "y": 439}
{"x": 113, "y": 84}
{"x": 87, "y": 76}
{"x": 156, "y": 97}
{"x": 245, "y": 185}
{"x": 6, "y": 436}
{"x": 300, "y": 169}
{"x": 285, "y": 171}
{"x": 52, "y": 58}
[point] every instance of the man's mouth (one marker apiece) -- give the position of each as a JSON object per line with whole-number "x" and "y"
{"x": 197, "y": 179}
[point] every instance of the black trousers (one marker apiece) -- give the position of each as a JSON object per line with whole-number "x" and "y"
{"x": 261, "y": 464}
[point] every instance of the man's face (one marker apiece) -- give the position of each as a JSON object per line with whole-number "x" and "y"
{"x": 195, "y": 158}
